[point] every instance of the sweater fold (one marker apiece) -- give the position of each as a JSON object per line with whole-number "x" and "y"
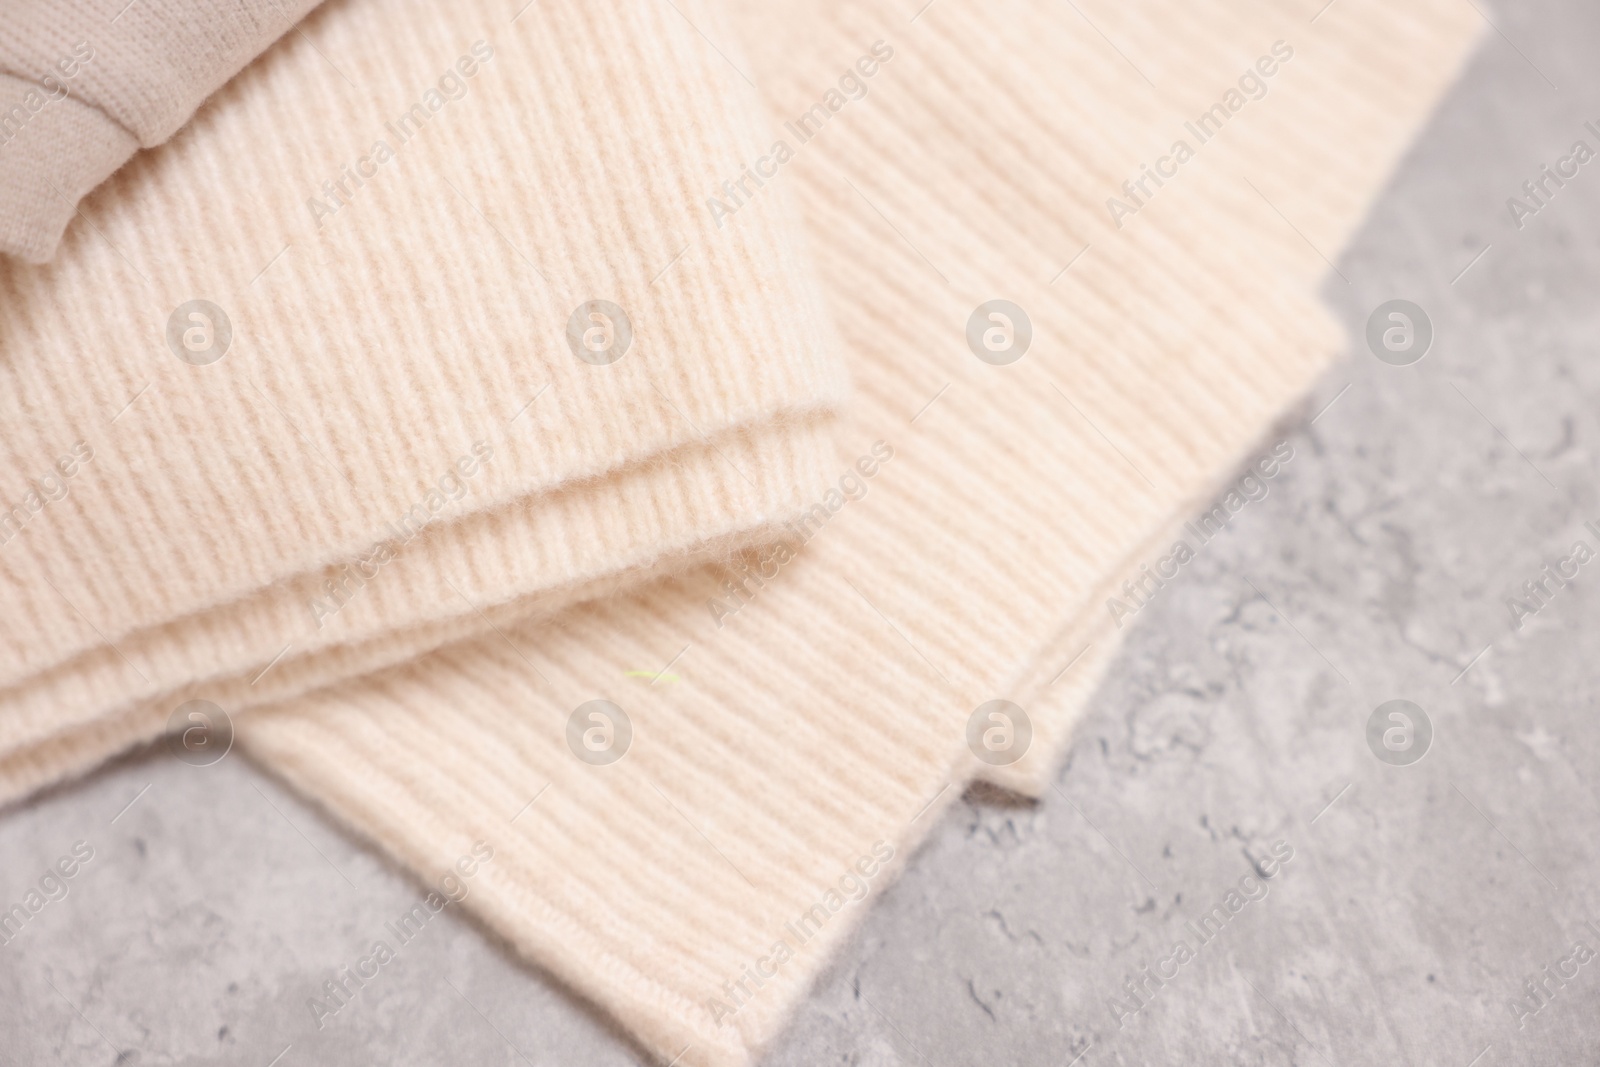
{"x": 410, "y": 405}
{"x": 701, "y": 651}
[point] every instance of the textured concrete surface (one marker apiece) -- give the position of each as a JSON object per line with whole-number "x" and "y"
{"x": 1418, "y": 899}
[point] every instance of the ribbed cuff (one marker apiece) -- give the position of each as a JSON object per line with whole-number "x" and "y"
{"x": 370, "y": 352}
{"x": 691, "y": 506}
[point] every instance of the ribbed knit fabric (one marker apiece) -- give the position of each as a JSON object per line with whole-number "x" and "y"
{"x": 401, "y": 359}
{"x": 820, "y": 727}
{"x": 85, "y": 83}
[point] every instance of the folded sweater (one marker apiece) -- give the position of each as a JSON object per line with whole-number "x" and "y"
{"x": 1057, "y": 357}
{"x": 271, "y": 423}
{"x": 827, "y": 696}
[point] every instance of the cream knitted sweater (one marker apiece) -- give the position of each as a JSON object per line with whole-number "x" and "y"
{"x": 956, "y": 547}
{"x": 397, "y": 445}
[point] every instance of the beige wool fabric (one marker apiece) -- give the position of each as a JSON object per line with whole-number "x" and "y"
{"x": 218, "y": 540}
{"x": 823, "y": 725}
{"x": 950, "y": 542}
{"x": 86, "y": 83}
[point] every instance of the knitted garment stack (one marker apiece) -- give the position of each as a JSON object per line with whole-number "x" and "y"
{"x": 1072, "y": 284}
{"x": 389, "y": 442}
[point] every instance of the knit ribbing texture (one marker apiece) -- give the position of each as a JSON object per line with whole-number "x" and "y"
{"x": 404, "y": 422}
{"x": 695, "y": 887}
{"x": 798, "y": 712}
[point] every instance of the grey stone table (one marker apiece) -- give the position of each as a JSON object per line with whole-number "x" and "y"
{"x": 1426, "y": 913}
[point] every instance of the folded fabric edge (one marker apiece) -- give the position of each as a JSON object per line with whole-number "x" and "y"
{"x": 1060, "y": 681}
{"x": 58, "y": 153}
{"x": 793, "y": 455}
{"x": 664, "y": 513}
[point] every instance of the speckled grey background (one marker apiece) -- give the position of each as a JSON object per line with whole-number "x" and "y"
{"x": 1418, "y": 900}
